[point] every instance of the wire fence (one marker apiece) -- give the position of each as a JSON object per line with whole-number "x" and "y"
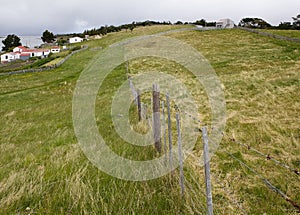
{"x": 267, "y": 156}
{"x": 202, "y": 127}
{"x": 248, "y": 147}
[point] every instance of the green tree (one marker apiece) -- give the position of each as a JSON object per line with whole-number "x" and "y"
{"x": 179, "y": 23}
{"x": 254, "y": 23}
{"x": 48, "y": 37}
{"x": 132, "y": 26}
{"x": 296, "y": 23}
{"x": 201, "y": 22}
{"x": 10, "y": 42}
{"x": 285, "y": 26}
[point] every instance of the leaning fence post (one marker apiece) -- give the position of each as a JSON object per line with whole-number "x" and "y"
{"x": 180, "y": 155}
{"x": 164, "y": 130}
{"x": 156, "y": 118}
{"x": 133, "y": 91}
{"x": 209, "y": 202}
{"x": 169, "y": 131}
{"x": 139, "y": 104}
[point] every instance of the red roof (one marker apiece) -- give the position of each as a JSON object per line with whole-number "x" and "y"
{"x": 55, "y": 47}
{"x": 21, "y": 47}
{"x": 36, "y": 50}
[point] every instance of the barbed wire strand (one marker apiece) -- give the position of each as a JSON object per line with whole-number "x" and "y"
{"x": 266, "y": 182}
{"x": 268, "y": 157}
{"x": 233, "y": 200}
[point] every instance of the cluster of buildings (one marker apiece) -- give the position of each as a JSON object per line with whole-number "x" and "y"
{"x": 23, "y": 53}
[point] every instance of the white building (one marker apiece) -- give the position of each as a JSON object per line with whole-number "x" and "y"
{"x": 75, "y": 40}
{"x": 38, "y": 52}
{"x": 24, "y": 53}
{"x": 225, "y": 23}
{"x": 8, "y": 57}
{"x": 55, "y": 49}
{"x": 20, "y": 49}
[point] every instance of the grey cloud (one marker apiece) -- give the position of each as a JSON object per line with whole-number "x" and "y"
{"x": 62, "y": 16}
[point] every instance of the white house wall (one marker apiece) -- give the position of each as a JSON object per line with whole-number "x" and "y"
{"x": 75, "y": 40}
{"x": 8, "y": 57}
{"x": 55, "y": 50}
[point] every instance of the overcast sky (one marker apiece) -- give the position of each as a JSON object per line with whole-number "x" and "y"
{"x": 32, "y": 17}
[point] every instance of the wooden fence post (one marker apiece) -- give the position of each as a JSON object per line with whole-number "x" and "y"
{"x": 180, "y": 154}
{"x": 169, "y": 131}
{"x": 156, "y": 118}
{"x": 164, "y": 130}
{"x": 209, "y": 202}
{"x": 133, "y": 91}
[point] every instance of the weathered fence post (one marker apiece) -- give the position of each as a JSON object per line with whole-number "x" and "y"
{"x": 133, "y": 91}
{"x": 164, "y": 130}
{"x": 180, "y": 154}
{"x": 156, "y": 118}
{"x": 169, "y": 131}
{"x": 209, "y": 202}
{"x": 139, "y": 104}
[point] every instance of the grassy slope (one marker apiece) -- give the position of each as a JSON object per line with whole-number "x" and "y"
{"x": 261, "y": 78}
{"x": 43, "y": 168}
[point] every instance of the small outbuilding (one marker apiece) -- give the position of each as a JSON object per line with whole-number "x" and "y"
{"x": 55, "y": 49}
{"x": 225, "y": 23}
{"x": 75, "y": 40}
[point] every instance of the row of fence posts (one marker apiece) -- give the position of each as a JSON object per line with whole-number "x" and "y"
{"x": 157, "y": 138}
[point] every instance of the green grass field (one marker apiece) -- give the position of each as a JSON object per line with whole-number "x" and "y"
{"x": 44, "y": 171}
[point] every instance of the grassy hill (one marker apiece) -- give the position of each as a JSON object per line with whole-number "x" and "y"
{"x": 44, "y": 171}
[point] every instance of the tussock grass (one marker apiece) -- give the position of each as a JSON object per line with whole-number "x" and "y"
{"x": 44, "y": 171}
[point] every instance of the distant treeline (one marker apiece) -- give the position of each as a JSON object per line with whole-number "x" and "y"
{"x": 262, "y": 24}
{"x": 245, "y": 22}
{"x": 103, "y": 30}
